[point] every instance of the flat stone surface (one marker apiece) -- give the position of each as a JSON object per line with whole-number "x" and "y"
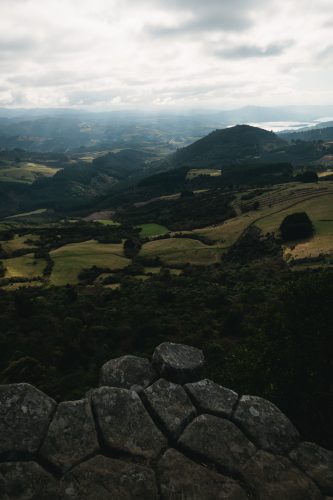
{"x": 103, "y": 478}
{"x": 178, "y": 363}
{"x": 27, "y": 481}
{"x": 267, "y": 426}
{"x": 276, "y": 478}
{"x": 128, "y": 372}
{"x": 218, "y": 441}
{"x": 71, "y": 436}
{"x": 171, "y": 405}
{"x": 125, "y": 423}
{"x": 213, "y": 398}
{"x": 25, "y": 414}
{"x": 183, "y": 479}
{"x": 317, "y": 463}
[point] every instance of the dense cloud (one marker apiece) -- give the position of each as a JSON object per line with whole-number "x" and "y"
{"x": 165, "y": 53}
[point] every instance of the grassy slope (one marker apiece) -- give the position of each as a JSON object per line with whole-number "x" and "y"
{"x": 25, "y": 266}
{"x": 69, "y": 260}
{"x": 149, "y": 230}
{"x": 175, "y": 251}
{"x": 18, "y": 242}
{"x": 26, "y": 172}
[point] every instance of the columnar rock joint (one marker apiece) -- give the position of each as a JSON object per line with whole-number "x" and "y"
{"x": 155, "y": 431}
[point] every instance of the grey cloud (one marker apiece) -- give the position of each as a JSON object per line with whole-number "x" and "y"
{"x": 246, "y": 51}
{"x": 209, "y": 15}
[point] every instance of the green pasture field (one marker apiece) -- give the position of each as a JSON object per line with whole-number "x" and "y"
{"x": 70, "y": 259}
{"x": 178, "y": 251}
{"x": 26, "y": 172}
{"x": 150, "y": 230}
{"x": 25, "y": 266}
{"x": 19, "y": 242}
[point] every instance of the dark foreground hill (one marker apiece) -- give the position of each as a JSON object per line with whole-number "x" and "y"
{"x": 231, "y": 145}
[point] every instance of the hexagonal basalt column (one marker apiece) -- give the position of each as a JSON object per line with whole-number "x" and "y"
{"x": 71, "y": 436}
{"x": 317, "y": 463}
{"x": 25, "y": 414}
{"x": 103, "y": 478}
{"x": 171, "y": 406}
{"x": 180, "y": 478}
{"x": 128, "y": 372}
{"x": 218, "y": 441}
{"x": 269, "y": 428}
{"x": 125, "y": 424}
{"x": 212, "y": 398}
{"x": 178, "y": 363}
{"x": 275, "y": 478}
{"x": 27, "y": 481}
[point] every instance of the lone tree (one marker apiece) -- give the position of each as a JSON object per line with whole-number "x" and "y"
{"x": 296, "y": 227}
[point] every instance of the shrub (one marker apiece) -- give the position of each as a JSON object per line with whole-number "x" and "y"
{"x": 296, "y": 227}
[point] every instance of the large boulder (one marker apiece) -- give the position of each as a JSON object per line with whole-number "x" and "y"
{"x": 103, "y": 478}
{"x": 27, "y": 481}
{"x": 125, "y": 424}
{"x": 183, "y": 479}
{"x": 25, "y": 414}
{"x": 209, "y": 397}
{"x": 171, "y": 406}
{"x": 217, "y": 441}
{"x": 275, "y": 478}
{"x": 178, "y": 363}
{"x": 71, "y": 436}
{"x": 267, "y": 426}
{"x": 128, "y": 372}
{"x": 317, "y": 463}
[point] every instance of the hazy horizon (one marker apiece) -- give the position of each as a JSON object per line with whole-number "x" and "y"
{"x": 165, "y": 55}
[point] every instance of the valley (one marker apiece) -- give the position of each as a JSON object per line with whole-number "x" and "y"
{"x": 118, "y": 251}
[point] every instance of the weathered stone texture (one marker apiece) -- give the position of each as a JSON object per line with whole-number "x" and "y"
{"x": 276, "y": 478}
{"x": 71, "y": 436}
{"x": 103, "y": 478}
{"x": 25, "y": 414}
{"x": 317, "y": 463}
{"x": 128, "y": 372}
{"x": 183, "y": 479}
{"x": 266, "y": 425}
{"x": 217, "y": 440}
{"x": 170, "y": 403}
{"x": 178, "y": 363}
{"x": 125, "y": 424}
{"x": 212, "y": 398}
{"x": 27, "y": 481}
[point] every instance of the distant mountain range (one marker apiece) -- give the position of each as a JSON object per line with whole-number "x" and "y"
{"x": 68, "y": 130}
{"x": 129, "y": 175}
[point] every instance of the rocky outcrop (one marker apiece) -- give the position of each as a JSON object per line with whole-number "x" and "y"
{"x": 155, "y": 431}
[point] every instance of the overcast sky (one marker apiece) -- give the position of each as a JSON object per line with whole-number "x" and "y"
{"x": 108, "y": 54}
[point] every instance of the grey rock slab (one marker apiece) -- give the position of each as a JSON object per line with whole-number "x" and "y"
{"x": 213, "y": 398}
{"x": 27, "y": 481}
{"x": 275, "y": 478}
{"x": 178, "y": 363}
{"x": 71, "y": 436}
{"x": 25, "y": 414}
{"x": 103, "y": 478}
{"x": 128, "y": 372}
{"x": 124, "y": 422}
{"x": 317, "y": 463}
{"x": 266, "y": 425}
{"x": 171, "y": 406}
{"x": 183, "y": 479}
{"x": 218, "y": 441}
